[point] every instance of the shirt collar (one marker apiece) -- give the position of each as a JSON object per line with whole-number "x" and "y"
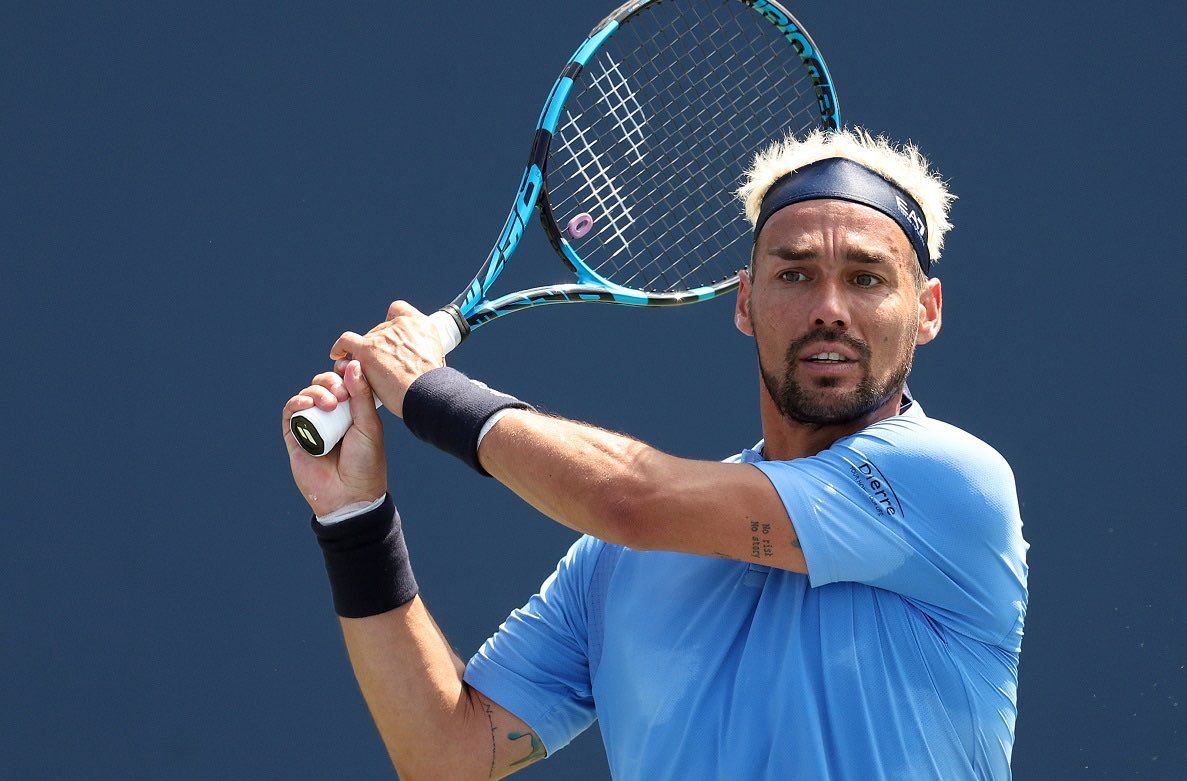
{"x": 908, "y": 407}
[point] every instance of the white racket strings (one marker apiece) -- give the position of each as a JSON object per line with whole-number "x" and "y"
{"x": 658, "y": 133}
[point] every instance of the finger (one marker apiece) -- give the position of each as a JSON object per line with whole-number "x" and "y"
{"x": 347, "y": 344}
{"x": 362, "y": 401}
{"x": 324, "y": 398}
{"x": 295, "y": 404}
{"x": 333, "y": 382}
{"x": 400, "y": 309}
{"x": 328, "y": 379}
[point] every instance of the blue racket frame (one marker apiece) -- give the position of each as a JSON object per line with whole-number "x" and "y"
{"x": 471, "y": 309}
{"x": 318, "y": 432}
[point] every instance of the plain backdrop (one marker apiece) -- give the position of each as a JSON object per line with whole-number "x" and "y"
{"x": 199, "y": 197}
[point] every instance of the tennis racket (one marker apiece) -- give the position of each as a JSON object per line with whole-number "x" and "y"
{"x": 635, "y": 159}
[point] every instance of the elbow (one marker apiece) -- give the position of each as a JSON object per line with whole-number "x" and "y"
{"x": 435, "y": 774}
{"x": 454, "y": 764}
{"x": 636, "y": 509}
{"x": 620, "y": 518}
{"x": 411, "y": 767}
{"x": 456, "y": 751}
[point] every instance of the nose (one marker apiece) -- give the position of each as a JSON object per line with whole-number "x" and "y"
{"x": 829, "y": 308}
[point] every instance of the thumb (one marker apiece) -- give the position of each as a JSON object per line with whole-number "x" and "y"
{"x": 362, "y": 400}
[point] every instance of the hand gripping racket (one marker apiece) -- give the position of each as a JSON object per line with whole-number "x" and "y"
{"x": 635, "y": 159}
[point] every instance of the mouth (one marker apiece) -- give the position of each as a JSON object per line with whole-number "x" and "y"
{"x": 828, "y": 361}
{"x": 828, "y": 355}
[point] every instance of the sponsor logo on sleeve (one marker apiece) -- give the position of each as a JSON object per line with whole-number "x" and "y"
{"x": 877, "y": 488}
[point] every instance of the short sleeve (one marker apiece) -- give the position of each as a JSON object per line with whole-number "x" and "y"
{"x": 916, "y": 507}
{"x": 537, "y": 665}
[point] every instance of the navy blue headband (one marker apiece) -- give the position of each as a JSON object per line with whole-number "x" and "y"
{"x": 841, "y": 178}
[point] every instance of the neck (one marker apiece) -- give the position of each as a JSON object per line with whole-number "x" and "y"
{"x": 785, "y": 439}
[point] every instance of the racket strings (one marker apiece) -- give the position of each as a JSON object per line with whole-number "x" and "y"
{"x": 726, "y": 198}
{"x": 722, "y": 188}
{"x": 720, "y": 217}
{"x": 658, "y": 133}
{"x": 667, "y": 226}
{"x": 724, "y": 222}
{"x": 674, "y": 171}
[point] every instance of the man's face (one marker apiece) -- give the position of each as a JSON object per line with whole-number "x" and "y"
{"x": 835, "y": 310}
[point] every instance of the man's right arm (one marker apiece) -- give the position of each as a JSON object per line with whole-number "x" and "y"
{"x": 434, "y": 725}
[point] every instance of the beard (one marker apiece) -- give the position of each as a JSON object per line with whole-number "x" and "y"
{"x": 810, "y": 406}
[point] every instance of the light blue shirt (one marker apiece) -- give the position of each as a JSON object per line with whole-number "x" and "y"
{"x": 897, "y": 658}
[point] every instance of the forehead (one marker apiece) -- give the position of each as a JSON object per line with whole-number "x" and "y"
{"x": 809, "y": 223}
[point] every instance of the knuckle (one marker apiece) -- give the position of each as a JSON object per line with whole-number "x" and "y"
{"x": 400, "y": 308}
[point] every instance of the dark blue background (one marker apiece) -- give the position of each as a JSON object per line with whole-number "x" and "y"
{"x": 199, "y": 197}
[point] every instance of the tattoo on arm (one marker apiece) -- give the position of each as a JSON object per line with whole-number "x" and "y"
{"x": 761, "y": 546}
{"x": 537, "y": 750}
{"x": 490, "y": 718}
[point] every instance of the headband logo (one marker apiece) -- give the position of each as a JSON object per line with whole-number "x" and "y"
{"x": 911, "y": 216}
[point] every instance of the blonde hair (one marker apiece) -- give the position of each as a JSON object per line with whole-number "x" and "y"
{"x": 903, "y": 165}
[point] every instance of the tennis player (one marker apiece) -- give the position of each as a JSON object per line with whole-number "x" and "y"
{"x": 843, "y": 600}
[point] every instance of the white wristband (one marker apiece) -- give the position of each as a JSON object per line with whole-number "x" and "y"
{"x": 490, "y": 423}
{"x": 349, "y": 511}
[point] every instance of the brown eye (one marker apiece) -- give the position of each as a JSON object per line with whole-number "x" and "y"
{"x": 791, "y": 275}
{"x": 866, "y": 280}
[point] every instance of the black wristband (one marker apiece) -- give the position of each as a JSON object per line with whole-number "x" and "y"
{"x": 447, "y": 409}
{"x": 367, "y": 562}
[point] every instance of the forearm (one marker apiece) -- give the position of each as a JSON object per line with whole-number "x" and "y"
{"x": 594, "y": 481}
{"x": 408, "y": 674}
{"x": 412, "y": 682}
{"x": 623, "y": 491}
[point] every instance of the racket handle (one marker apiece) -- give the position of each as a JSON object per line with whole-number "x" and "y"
{"x": 318, "y": 432}
{"x": 449, "y": 328}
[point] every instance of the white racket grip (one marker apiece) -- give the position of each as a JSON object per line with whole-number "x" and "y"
{"x": 318, "y": 432}
{"x": 447, "y": 330}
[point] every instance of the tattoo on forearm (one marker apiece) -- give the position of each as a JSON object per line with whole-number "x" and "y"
{"x": 490, "y": 718}
{"x": 537, "y": 747}
{"x": 761, "y": 546}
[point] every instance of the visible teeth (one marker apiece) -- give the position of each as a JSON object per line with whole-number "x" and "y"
{"x": 826, "y": 357}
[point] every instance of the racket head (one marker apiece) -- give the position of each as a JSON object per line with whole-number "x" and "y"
{"x": 642, "y": 143}
{"x": 668, "y": 104}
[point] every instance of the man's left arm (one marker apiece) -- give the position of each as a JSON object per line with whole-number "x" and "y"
{"x": 597, "y": 482}
{"x": 624, "y": 491}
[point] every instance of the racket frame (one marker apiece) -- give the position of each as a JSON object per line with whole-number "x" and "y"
{"x": 318, "y": 431}
{"x": 471, "y": 309}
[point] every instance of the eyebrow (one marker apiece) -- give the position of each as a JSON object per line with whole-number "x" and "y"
{"x": 797, "y": 252}
{"x": 864, "y": 255}
{"x": 867, "y": 255}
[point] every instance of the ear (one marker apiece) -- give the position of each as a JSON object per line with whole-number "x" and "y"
{"x": 931, "y": 307}
{"x": 742, "y": 310}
